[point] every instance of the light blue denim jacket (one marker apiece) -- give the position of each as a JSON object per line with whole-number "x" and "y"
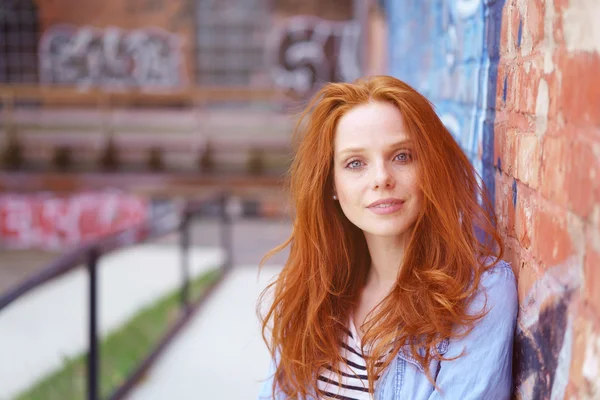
{"x": 484, "y": 371}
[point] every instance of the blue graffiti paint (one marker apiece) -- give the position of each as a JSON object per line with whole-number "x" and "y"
{"x": 520, "y": 34}
{"x": 449, "y": 50}
{"x": 514, "y": 193}
{"x": 493, "y": 27}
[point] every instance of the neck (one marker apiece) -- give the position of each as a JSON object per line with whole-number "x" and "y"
{"x": 387, "y": 255}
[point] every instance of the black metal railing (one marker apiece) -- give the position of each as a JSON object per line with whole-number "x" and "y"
{"x": 89, "y": 255}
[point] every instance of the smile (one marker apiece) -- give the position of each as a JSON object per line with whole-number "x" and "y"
{"x": 386, "y": 206}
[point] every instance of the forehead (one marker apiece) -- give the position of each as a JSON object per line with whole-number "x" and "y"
{"x": 371, "y": 124}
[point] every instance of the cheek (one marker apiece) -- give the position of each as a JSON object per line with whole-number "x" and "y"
{"x": 347, "y": 188}
{"x": 411, "y": 183}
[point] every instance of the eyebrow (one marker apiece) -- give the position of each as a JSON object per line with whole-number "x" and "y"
{"x": 401, "y": 143}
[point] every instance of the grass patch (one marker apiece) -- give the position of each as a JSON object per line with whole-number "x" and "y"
{"x": 121, "y": 351}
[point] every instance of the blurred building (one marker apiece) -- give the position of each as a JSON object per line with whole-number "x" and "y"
{"x": 154, "y": 80}
{"x": 173, "y": 44}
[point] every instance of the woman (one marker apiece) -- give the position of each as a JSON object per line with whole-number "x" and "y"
{"x": 394, "y": 287}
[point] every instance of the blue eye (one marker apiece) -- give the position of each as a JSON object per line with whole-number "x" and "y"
{"x": 354, "y": 164}
{"x": 404, "y": 157}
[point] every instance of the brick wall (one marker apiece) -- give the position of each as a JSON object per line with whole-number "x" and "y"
{"x": 335, "y": 10}
{"x": 518, "y": 84}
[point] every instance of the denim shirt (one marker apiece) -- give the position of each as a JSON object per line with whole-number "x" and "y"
{"x": 483, "y": 371}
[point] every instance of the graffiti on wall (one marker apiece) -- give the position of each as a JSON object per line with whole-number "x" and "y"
{"x": 544, "y": 337}
{"x": 454, "y": 65}
{"x": 50, "y": 222}
{"x": 309, "y": 51}
{"x": 86, "y": 56}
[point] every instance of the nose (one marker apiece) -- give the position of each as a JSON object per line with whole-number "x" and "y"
{"x": 382, "y": 177}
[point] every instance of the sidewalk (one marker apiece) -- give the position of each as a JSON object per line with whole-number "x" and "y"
{"x": 50, "y": 323}
{"x": 220, "y": 354}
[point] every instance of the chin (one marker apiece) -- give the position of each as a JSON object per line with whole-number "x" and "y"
{"x": 386, "y": 231}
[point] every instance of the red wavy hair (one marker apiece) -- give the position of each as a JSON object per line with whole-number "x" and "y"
{"x": 328, "y": 264}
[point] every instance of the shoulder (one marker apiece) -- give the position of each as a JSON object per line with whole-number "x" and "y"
{"x": 499, "y": 276}
{"x": 497, "y": 289}
{"x": 500, "y": 273}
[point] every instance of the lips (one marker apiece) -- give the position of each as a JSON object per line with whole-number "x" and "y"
{"x": 386, "y": 206}
{"x": 383, "y": 203}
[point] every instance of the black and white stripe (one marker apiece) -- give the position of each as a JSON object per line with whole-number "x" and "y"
{"x": 354, "y": 384}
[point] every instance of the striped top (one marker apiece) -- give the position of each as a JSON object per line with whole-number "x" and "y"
{"x": 355, "y": 384}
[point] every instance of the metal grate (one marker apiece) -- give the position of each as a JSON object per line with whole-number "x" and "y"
{"x": 230, "y": 40}
{"x": 19, "y": 33}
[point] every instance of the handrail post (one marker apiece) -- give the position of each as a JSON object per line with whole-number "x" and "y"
{"x": 185, "y": 260}
{"x": 226, "y": 240}
{"x": 93, "y": 360}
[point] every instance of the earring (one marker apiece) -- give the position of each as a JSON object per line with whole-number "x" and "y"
{"x": 334, "y": 197}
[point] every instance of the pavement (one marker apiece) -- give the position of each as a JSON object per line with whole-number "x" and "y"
{"x": 42, "y": 328}
{"x": 220, "y": 354}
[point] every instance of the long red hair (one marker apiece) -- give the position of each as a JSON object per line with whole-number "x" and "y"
{"x": 319, "y": 286}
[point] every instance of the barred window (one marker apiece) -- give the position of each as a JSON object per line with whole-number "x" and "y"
{"x": 230, "y": 40}
{"x": 19, "y": 35}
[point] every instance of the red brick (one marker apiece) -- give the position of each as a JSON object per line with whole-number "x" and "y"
{"x": 591, "y": 267}
{"x": 558, "y": 129}
{"x": 508, "y": 33}
{"x": 504, "y": 32}
{"x": 511, "y": 151}
{"x": 557, "y": 168}
{"x": 510, "y": 214}
{"x": 585, "y": 381}
{"x": 515, "y": 19}
{"x": 597, "y": 190}
{"x": 500, "y": 104}
{"x": 590, "y": 133}
{"x": 512, "y": 86}
{"x": 501, "y": 202}
{"x": 581, "y": 329}
{"x": 570, "y": 172}
{"x": 528, "y": 276}
{"x": 530, "y": 73}
{"x": 528, "y": 160}
{"x": 535, "y": 23}
{"x": 524, "y": 218}
{"x": 579, "y": 96}
{"x": 559, "y": 8}
{"x": 582, "y": 174}
{"x": 520, "y": 122}
{"x": 526, "y": 88}
{"x": 554, "y": 169}
{"x": 512, "y": 254}
{"x": 553, "y": 242}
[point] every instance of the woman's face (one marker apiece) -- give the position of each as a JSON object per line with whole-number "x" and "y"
{"x": 375, "y": 171}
